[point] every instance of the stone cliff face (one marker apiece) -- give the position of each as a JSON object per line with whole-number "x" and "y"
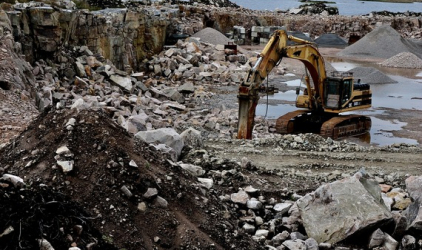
{"x": 121, "y": 35}
{"x": 128, "y": 36}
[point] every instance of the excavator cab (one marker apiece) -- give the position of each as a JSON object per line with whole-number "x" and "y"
{"x": 337, "y": 92}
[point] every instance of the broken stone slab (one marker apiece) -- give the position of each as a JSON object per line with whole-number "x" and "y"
{"x": 167, "y": 136}
{"x": 15, "y": 180}
{"x": 294, "y": 244}
{"x": 174, "y": 95}
{"x": 66, "y": 166}
{"x": 172, "y": 105}
{"x": 7, "y": 231}
{"x": 151, "y": 193}
{"x": 206, "y": 182}
{"x": 44, "y": 245}
{"x": 282, "y": 208}
{"x": 250, "y": 229}
{"x": 160, "y": 202}
{"x": 280, "y": 238}
{"x": 64, "y": 151}
{"x": 333, "y": 213}
{"x": 166, "y": 151}
{"x": 414, "y": 212}
{"x": 193, "y": 169}
{"x": 193, "y": 138}
{"x": 122, "y": 82}
{"x": 377, "y": 239}
{"x": 240, "y": 197}
{"x": 187, "y": 88}
{"x": 254, "y": 204}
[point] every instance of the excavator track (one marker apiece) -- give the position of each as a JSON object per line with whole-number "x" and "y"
{"x": 302, "y": 121}
{"x": 347, "y": 125}
{"x": 285, "y": 123}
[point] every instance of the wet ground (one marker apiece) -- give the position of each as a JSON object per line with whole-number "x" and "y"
{"x": 396, "y": 108}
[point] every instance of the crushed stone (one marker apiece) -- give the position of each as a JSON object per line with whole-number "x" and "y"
{"x": 370, "y": 75}
{"x": 330, "y": 40}
{"x": 210, "y": 35}
{"x": 403, "y": 60}
{"x": 382, "y": 42}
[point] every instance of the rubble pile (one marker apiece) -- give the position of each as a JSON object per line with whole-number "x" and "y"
{"x": 403, "y": 60}
{"x": 165, "y": 95}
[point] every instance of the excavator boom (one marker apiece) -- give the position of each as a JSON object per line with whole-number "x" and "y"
{"x": 325, "y": 97}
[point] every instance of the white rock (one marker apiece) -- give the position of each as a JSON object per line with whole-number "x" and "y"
{"x": 44, "y": 245}
{"x": 193, "y": 169}
{"x": 15, "y": 180}
{"x": 254, "y": 204}
{"x": 282, "y": 208}
{"x": 240, "y": 197}
{"x": 250, "y": 229}
{"x": 262, "y": 232}
{"x": 66, "y": 166}
{"x": 207, "y": 183}
{"x": 133, "y": 164}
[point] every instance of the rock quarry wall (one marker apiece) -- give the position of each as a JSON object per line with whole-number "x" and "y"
{"x": 128, "y": 36}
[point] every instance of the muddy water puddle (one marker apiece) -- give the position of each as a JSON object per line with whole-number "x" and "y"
{"x": 404, "y": 95}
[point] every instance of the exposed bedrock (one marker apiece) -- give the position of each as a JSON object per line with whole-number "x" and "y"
{"x": 128, "y": 36}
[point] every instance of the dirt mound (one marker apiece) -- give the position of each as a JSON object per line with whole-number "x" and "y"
{"x": 330, "y": 40}
{"x": 403, "y": 60}
{"x": 210, "y": 35}
{"x": 111, "y": 173}
{"x": 371, "y": 75}
{"x": 382, "y": 42}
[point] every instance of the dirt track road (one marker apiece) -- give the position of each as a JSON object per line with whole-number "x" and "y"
{"x": 313, "y": 168}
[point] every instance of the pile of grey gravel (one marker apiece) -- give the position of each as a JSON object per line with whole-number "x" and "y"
{"x": 382, "y": 42}
{"x": 330, "y": 40}
{"x": 210, "y": 35}
{"x": 403, "y": 60}
{"x": 370, "y": 75}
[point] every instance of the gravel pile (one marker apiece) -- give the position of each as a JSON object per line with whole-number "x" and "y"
{"x": 210, "y": 35}
{"x": 331, "y": 40}
{"x": 382, "y": 42}
{"x": 370, "y": 75}
{"x": 403, "y": 60}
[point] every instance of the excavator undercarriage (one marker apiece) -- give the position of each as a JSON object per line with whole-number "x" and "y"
{"x": 335, "y": 126}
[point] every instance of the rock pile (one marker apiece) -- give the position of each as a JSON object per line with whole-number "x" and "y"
{"x": 210, "y": 35}
{"x": 279, "y": 222}
{"x": 331, "y": 40}
{"x": 403, "y": 60}
{"x": 382, "y": 42}
{"x": 370, "y": 75}
{"x": 165, "y": 95}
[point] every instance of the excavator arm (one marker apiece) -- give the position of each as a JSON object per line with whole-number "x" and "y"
{"x": 271, "y": 55}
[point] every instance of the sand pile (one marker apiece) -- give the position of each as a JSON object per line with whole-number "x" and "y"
{"x": 382, "y": 42}
{"x": 330, "y": 40}
{"x": 210, "y": 35}
{"x": 403, "y": 60}
{"x": 371, "y": 75}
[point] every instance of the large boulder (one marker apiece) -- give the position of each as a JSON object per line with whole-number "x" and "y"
{"x": 414, "y": 212}
{"x": 343, "y": 209}
{"x": 167, "y": 136}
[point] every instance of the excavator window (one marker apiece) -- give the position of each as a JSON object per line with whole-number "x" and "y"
{"x": 332, "y": 93}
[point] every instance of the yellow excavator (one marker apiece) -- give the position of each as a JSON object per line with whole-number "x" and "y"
{"x": 324, "y": 98}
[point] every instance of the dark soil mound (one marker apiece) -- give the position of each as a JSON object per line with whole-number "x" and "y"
{"x": 39, "y": 213}
{"x": 103, "y": 154}
{"x": 330, "y": 40}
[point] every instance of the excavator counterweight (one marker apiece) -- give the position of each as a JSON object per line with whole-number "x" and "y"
{"x": 322, "y": 102}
